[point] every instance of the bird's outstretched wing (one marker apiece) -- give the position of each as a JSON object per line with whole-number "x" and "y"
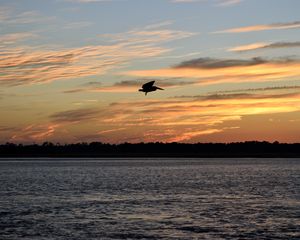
{"x": 148, "y": 84}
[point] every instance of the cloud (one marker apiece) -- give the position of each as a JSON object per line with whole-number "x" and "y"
{"x": 185, "y": 136}
{"x": 258, "y": 46}
{"x": 222, "y": 96}
{"x": 77, "y": 90}
{"x": 13, "y": 38}
{"x": 247, "y": 47}
{"x": 212, "y": 70}
{"x": 158, "y": 25}
{"x": 56, "y": 129}
{"x": 184, "y": 118}
{"x": 147, "y": 36}
{"x": 5, "y": 13}
{"x": 8, "y": 129}
{"x": 253, "y": 28}
{"x": 134, "y": 85}
{"x": 76, "y": 25}
{"x": 75, "y": 116}
{"x": 226, "y": 3}
{"x": 186, "y": 1}
{"x": 31, "y": 65}
{"x": 129, "y": 85}
{"x": 111, "y": 130}
{"x": 90, "y": 1}
{"x": 276, "y": 88}
{"x": 209, "y": 108}
{"x": 212, "y": 63}
{"x": 216, "y": 96}
{"x": 34, "y": 133}
{"x": 220, "y": 3}
{"x": 12, "y": 18}
{"x": 188, "y": 118}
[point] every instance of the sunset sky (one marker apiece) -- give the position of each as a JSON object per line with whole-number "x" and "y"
{"x": 70, "y": 70}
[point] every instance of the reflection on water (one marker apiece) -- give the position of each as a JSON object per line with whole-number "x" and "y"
{"x": 150, "y": 199}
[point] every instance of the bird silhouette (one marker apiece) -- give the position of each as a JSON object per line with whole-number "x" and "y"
{"x": 149, "y": 87}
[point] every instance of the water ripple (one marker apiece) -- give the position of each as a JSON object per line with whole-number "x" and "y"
{"x": 150, "y": 199}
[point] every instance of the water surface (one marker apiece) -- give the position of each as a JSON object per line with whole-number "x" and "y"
{"x": 150, "y": 199}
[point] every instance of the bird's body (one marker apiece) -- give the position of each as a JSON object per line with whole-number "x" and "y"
{"x": 149, "y": 87}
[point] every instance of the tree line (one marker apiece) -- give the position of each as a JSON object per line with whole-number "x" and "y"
{"x": 157, "y": 149}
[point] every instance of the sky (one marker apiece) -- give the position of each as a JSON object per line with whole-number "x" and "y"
{"x": 71, "y": 70}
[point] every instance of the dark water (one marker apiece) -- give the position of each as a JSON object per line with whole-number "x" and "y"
{"x": 150, "y": 199}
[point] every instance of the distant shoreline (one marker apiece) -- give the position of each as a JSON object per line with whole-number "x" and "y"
{"x": 252, "y": 149}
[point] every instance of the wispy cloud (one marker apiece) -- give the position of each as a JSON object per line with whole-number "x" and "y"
{"x": 9, "y": 17}
{"x": 258, "y": 46}
{"x": 158, "y": 25}
{"x": 247, "y": 47}
{"x": 213, "y": 63}
{"x": 226, "y": 3}
{"x": 41, "y": 64}
{"x": 211, "y": 71}
{"x": 184, "y": 118}
{"x": 27, "y": 65}
{"x": 265, "y": 89}
{"x": 253, "y": 28}
{"x": 147, "y": 36}
{"x": 76, "y": 25}
{"x": 111, "y": 130}
{"x": 90, "y": 1}
{"x": 5, "y": 13}
{"x": 13, "y": 38}
{"x": 220, "y": 3}
{"x": 187, "y": 1}
{"x": 74, "y": 116}
{"x": 55, "y": 129}
{"x": 34, "y": 133}
{"x": 131, "y": 85}
{"x": 8, "y": 129}
{"x": 185, "y": 136}
{"x": 127, "y": 86}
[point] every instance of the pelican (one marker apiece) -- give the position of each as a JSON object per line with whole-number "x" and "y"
{"x": 148, "y": 87}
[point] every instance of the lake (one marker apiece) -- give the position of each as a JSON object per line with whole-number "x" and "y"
{"x": 149, "y": 199}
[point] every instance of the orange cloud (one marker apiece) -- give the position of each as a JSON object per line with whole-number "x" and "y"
{"x": 184, "y": 118}
{"x": 34, "y": 133}
{"x": 211, "y": 71}
{"x": 13, "y": 38}
{"x": 257, "y": 46}
{"x": 247, "y": 47}
{"x": 9, "y": 16}
{"x": 27, "y": 65}
{"x": 185, "y": 136}
{"x": 132, "y": 86}
{"x": 274, "y": 26}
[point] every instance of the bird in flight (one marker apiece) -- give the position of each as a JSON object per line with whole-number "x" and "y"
{"x": 149, "y": 87}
